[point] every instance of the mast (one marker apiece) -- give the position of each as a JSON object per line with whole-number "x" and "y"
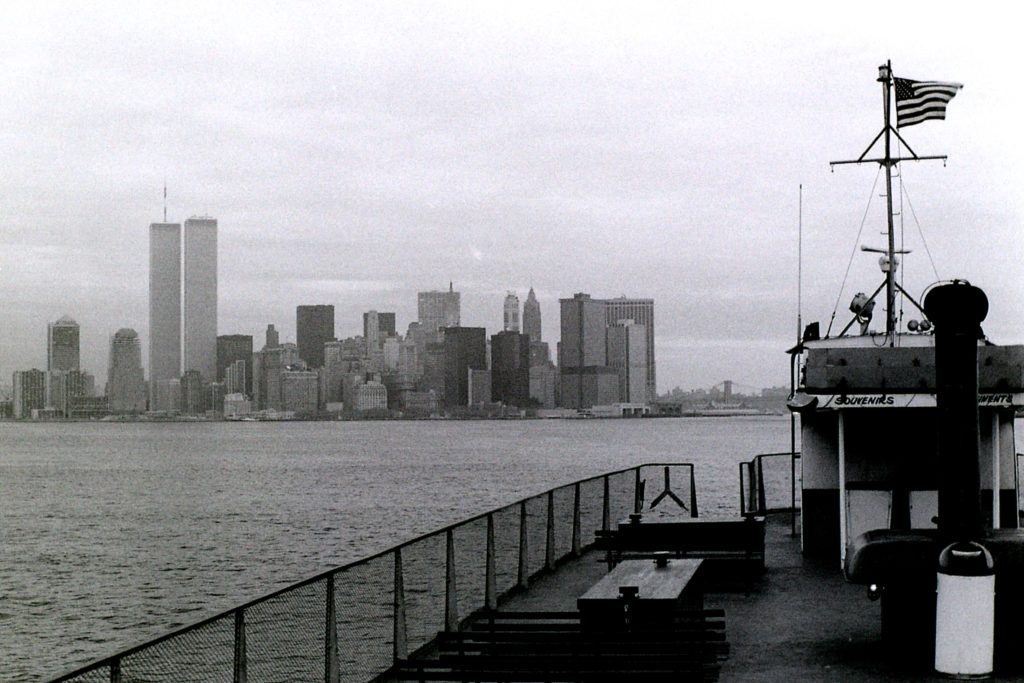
{"x": 885, "y": 77}
{"x": 888, "y": 161}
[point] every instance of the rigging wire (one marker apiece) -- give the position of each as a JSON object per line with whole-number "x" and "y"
{"x": 853, "y": 253}
{"x": 920, "y": 232}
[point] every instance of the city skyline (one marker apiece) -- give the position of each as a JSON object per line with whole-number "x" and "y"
{"x": 358, "y": 155}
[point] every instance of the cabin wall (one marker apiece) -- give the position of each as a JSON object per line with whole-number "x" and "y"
{"x": 819, "y": 464}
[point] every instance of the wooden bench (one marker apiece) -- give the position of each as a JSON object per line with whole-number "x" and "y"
{"x": 725, "y": 545}
{"x": 557, "y": 646}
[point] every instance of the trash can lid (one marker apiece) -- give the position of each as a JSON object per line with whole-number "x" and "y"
{"x": 966, "y": 558}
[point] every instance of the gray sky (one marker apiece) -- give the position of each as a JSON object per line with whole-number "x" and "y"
{"x": 356, "y": 153}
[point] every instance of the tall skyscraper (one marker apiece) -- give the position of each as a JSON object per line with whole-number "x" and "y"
{"x": 627, "y": 353}
{"x": 511, "y": 317}
{"x": 314, "y": 327}
{"x": 62, "y": 345}
{"x": 377, "y": 326}
{"x": 230, "y": 349}
{"x": 438, "y": 309}
{"x": 583, "y": 364}
{"x": 29, "y": 392}
{"x": 273, "y": 339}
{"x": 164, "y": 305}
{"x": 641, "y": 312}
{"x": 531, "y": 317}
{"x": 510, "y": 368}
{"x": 465, "y": 348}
{"x": 126, "y": 386}
{"x": 200, "y": 296}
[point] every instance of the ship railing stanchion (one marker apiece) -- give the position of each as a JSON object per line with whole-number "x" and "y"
{"x": 606, "y": 514}
{"x": 524, "y": 554}
{"x": 240, "y": 675}
{"x": 115, "y": 671}
{"x": 332, "y": 666}
{"x": 693, "y": 492}
{"x": 400, "y": 643}
{"x": 451, "y": 602}
{"x": 490, "y": 581}
{"x": 576, "y": 542}
{"x": 549, "y": 545}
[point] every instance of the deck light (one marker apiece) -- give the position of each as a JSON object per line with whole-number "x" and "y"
{"x": 874, "y": 592}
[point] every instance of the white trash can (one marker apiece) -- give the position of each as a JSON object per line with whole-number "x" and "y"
{"x": 965, "y": 611}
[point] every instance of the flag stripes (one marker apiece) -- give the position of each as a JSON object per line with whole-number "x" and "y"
{"x": 918, "y": 101}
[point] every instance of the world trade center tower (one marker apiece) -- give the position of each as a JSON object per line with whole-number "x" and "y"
{"x": 200, "y": 296}
{"x": 164, "y": 304}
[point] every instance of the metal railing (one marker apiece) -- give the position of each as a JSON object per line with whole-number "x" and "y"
{"x": 770, "y": 484}
{"x": 350, "y": 624}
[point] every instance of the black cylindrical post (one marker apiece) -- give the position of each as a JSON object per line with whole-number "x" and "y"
{"x": 957, "y": 310}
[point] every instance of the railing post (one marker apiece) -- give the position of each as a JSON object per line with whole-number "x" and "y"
{"x": 576, "y": 541}
{"x": 490, "y": 579}
{"x": 240, "y": 655}
{"x": 693, "y": 492}
{"x": 401, "y": 647}
{"x": 638, "y": 503}
{"x": 606, "y": 508}
{"x": 451, "y": 602}
{"x": 115, "y": 671}
{"x": 332, "y": 666}
{"x": 762, "y": 501}
{"x": 524, "y": 551}
{"x": 549, "y": 545}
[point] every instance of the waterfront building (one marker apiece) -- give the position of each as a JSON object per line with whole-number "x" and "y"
{"x": 268, "y": 365}
{"x": 126, "y": 386}
{"x": 199, "y": 306}
{"x": 166, "y": 395}
{"x": 510, "y": 368}
{"x": 236, "y": 377}
{"x": 531, "y": 317}
{"x": 273, "y": 339}
{"x": 164, "y": 304}
{"x": 56, "y": 391}
{"x": 438, "y": 310}
{"x": 627, "y": 353}
{"x": 371, "y": 396}
{"x": 392, "y": 353}
{"x": 236, "y": 405}
{"x": 232, "y": 348}
{"x": 432, "y": 378}
{"x": 314, "y": 327}
{"x": 586, "y": 379}
{"x": 62, "y": 350}
{"x": 88, "y": 407}
{"x": 641, "y": 312}
{"x": 28, "y": 392}
{"x": 479, "y": 387}
{"x": 464, "y": 350}
{"x": 543, "y": 382}
{"x": 193, "y": 393}
{"x": 511, "y": 313}
{"x": 300, "y": 390}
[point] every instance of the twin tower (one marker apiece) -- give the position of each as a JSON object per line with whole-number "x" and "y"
{"x": 182, "y": 302}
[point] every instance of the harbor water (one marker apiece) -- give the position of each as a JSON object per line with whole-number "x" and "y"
{"x": 113, "y": 533}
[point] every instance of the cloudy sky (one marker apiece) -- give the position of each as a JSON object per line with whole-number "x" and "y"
{"x": 356, "y": 153}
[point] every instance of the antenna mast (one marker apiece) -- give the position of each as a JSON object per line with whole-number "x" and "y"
{"x": 888, "y": 161}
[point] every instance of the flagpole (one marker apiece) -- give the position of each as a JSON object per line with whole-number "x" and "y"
{"x": 885, "y": 77}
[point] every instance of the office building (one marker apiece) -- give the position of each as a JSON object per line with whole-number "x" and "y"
{"x": 29, "y": 392}
{"x": 164, "y": 304}
{"x": 510, "y": 368}
{"x": 126, "y": 386}
{"x": 627, "y": 353}
{"x": 300, "y": 390}
{"x": 62, "y": 345}
{"x": 371, "y": 396}
{"x": 377, "y": 327}
{"x": 641, "y": 312}
{"x": 438, "y": 310}
{"x": 273, "y": 339}
{"x": 193, "y": 393}
{"x": 586, "y": 379}
{"x": 479, "y": 387}
{"x": 465, "y": 349}
{"x": 511, "y": 313}
{"x": 314, "y": 327}
{"x": 238, "y": 377}
{"x": 543, "y": 382}
{"x": 166, "y": 396}
{"x": 199, "y": 305}
{"x": 232, "y": 348}
{"x": 268, "y": 365}
{"x": 531, "y": 317}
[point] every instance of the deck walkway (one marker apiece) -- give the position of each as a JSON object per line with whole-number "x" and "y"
{"x": 800, "y": 622}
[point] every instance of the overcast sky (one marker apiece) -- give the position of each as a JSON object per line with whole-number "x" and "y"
{"x": 356, "y": 153}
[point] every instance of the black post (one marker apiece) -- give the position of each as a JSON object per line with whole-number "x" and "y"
{"x": 957, "y": 310}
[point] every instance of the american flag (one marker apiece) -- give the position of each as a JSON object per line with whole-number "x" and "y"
{"x": 918, "y": 101}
